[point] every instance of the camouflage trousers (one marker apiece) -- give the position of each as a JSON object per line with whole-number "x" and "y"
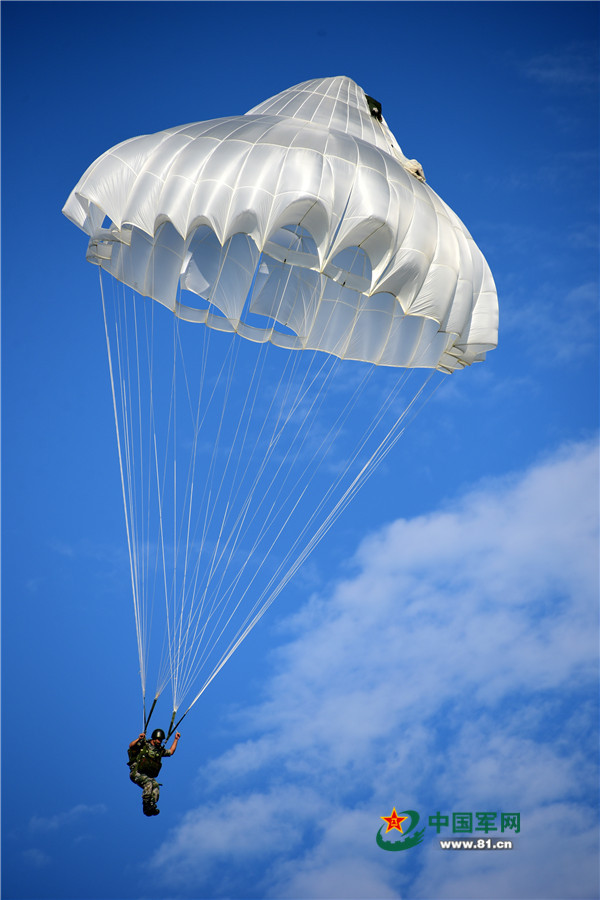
{"x": 150, "y": 790}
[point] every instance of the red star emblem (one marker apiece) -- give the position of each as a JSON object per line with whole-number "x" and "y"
{"x": 394, "y": 821}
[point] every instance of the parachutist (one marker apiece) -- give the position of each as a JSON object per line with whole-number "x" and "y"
{"x": 145, "y": 762}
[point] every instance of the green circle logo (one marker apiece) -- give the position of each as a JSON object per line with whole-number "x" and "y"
{"x": 404, "y": 822}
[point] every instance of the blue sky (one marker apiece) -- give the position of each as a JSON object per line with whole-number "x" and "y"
{"x": 468, "y": 682}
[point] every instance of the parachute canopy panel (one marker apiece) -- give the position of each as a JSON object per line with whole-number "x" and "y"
{"x": 301, "y": 223}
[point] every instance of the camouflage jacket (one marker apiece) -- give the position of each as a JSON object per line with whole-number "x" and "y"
{"x": 146, "y": 759}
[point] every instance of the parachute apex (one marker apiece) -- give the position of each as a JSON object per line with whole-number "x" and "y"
{"x": 338, "y": 104}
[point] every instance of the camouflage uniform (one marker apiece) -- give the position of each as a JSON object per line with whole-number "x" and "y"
{"x": 145, "y": 762}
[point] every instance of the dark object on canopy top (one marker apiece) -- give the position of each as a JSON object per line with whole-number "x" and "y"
{"x": 374, "y": 107}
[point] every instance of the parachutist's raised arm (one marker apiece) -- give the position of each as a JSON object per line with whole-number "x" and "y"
{"x": 138, "y": 740}
{"x": 173, "y": 746}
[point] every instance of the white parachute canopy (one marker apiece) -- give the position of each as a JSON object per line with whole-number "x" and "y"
{"x": 300, "y": 226}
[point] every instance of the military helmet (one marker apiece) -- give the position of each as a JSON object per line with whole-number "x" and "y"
{"x": 158, "y": 735}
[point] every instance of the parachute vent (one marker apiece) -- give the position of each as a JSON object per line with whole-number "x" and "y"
{"x": 374, "y": 107}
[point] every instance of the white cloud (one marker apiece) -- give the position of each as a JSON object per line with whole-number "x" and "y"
{"x": 35, "y": 858}
{"x": 573, "y": 66}
{"x": 454, "y": 668}
{"x": 69, "y": 817}
{"x": 219, "y": 827}
{"x": 562, "y": 323}
{"x": 555, "y": 859}
{"x": 336, "y": 867}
